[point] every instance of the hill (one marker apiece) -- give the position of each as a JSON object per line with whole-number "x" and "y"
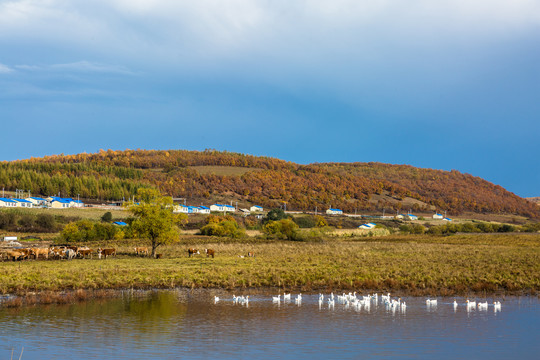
{"x": 214, "y": 176}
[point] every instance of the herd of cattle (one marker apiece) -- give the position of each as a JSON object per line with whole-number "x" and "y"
{"x": 56, "y": 253}
{"x": 81, "y": 252}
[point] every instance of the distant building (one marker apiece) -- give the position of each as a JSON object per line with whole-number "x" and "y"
{"x": 22, "y": 203}
{"x": 5, "y": 202}
{"x": 229, "y": 208}
{"x": 217, "y": 207}
{"x": 204, "y": 210}
{"x": 447, "y": 219}
{"x": 334, "y": 211}
{"x": 256, "y": 208}
{"x": 367, "y": 226}
{"x": 120, "y": 223}
{"x": 60, "y": 203}
{"x": 438, "y": 216}
{"x": 37, "y": 201}
{"x": 400, "y": 216}
{"x": 411, "y": 217}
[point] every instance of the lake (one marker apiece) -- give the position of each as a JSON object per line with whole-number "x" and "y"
{"x": 189, "y": 325}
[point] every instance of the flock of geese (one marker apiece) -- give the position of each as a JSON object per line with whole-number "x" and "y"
{"x": 351, "y": 300}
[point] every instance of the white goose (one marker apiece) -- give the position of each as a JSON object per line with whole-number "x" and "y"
{"x": 276, "y": 298}
{"x": 216, "y": 299}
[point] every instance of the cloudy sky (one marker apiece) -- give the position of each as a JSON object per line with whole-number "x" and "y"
{"x": 447, "y": 84}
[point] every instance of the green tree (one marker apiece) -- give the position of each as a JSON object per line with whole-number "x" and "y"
{"x": 107, "y": 217}
{"x": 154, "y": 218}
{"x": 275, "y": 215}
{"x": 281, "y": 229}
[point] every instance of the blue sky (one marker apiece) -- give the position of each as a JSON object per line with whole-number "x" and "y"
{"x": 444, "y": 85}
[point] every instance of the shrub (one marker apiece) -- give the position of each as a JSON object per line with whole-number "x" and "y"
{"x": 305, "y": 222}
{"x": 107, "y": 217}
{"x": 281, "y": 229}
{"x": 222, "y": 226}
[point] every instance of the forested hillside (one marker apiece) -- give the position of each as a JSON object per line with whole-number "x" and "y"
{"x": 208, "y": 176}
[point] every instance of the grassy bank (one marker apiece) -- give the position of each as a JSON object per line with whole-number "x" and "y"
{"x": 417, "y": 265}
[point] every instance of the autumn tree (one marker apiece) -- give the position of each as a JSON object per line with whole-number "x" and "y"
{"x": 154, "y": 218}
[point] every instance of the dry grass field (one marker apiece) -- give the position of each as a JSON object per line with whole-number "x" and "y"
{"x": 416, "y": 265}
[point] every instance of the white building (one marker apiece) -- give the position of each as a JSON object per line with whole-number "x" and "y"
{"x": 334, "y": 211}
{"x": 367, "y": 226}
{"x": 447, "y": 219}
{"x": 256, "y": 208}
{"x": 217, "y": 207}
{"x": 204, "y": 210}
{"x": 23, "y": 203}
{"x": 5, "y": 202}
{"x": 438, "y": 216}
{"x": 411, "y": 217}
{"x": 37, "y": 201}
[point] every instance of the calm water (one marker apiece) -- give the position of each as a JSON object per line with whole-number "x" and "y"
{"x": 181, "y": 324}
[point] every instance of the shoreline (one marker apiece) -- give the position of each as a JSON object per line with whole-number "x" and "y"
{"x": 68, "y": 297}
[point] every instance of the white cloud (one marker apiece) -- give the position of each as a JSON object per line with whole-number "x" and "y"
{"x": 5, "y": 69}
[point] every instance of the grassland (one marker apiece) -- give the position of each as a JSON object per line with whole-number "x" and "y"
{"x": 416, "y": 265}
{"x": 83, "y": 213}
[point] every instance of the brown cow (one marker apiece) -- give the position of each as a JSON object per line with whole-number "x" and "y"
{"x": 159, "y": 256}
{"x": 84, "y": 253}
{"x": 251, "y": 254}
{"x": 15, "y": 255}
{"x": 192, "y": 252}
{"x": 209, "y": 252}
{"x": 106, "y": 252}
{"x": 40, "y": 251}
{"x": 141, "y": 251}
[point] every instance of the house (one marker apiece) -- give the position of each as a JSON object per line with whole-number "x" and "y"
{"x": 181, "y": 209}
{"x": 367, "y": 226}
{"x": 60, "y": 203}
{"x": 245, "y": 212}
{"x": 37, "y": 201}
{"x": 5, "y": 202}
{"x": 204, "y": 210}
{"x": 120, "y": 223}
{"x": 256, "y": 208}
{"x": 400, "y": 216}
{"x": 437, "y": 216}
{"x": 77, "y": 203}
{"x": 334, "y": 211}
{"x": 411, "y": 217}
{"x": 22, "y": 203}
{"x": 217, "y": 207}
{"x": 447, "y": 219}
{"x": 229, "y": 208}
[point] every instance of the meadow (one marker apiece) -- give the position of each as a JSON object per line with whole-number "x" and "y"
{"x": 412, "y": 264}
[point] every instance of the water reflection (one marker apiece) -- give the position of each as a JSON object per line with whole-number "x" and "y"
{"x": 174, "y": 324}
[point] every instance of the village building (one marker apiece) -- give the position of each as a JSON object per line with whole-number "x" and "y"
{"x": 334, "y": 211}
{"x": 5, "y": 202}
{"x": 367, "y": 226}
{"x": 438, "y": 216}
{"x": 256, "y": 208}
{"x": 37, "y": 201}
{"x": 22, "y": 203}
{"x": 203, "y": 210}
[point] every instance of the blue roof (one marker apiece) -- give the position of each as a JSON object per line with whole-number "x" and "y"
{"x": 120, "y": 223}
{"x": 257, "y": 206}
{"x": 7, "y": 200}
{"x": 37, "y": 198}
{"x": 335, "y": 209}
{"x": 63, "y": 201}
{"x": 204, "y": 207}
{"x": 230, "y": 206}
{"x": 21, "y": 200}
{"x": 447, "y": 219}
